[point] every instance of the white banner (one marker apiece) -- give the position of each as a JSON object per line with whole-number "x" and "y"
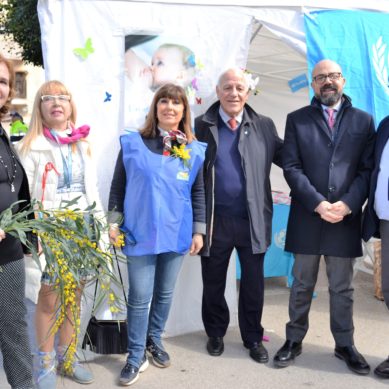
{"x": 84, "y": 45}
{"x": 113, "y": 55}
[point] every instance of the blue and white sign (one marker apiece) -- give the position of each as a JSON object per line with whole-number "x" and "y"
{"x": 299, "y": 82}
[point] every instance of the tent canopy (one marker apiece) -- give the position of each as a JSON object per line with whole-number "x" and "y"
{"x": 266, "y": 37}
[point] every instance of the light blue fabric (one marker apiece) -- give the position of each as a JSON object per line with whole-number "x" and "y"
{"x": 151, "y": 279}
{"x": 157, "y": 207}
{"x": 359, "y": 42}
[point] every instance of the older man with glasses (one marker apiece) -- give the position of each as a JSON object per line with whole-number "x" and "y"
{"x": 327, "y": 161}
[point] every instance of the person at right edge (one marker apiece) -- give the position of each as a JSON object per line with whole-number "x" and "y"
{"x": 376, "y": 215}
{"x": 327, "y": 161}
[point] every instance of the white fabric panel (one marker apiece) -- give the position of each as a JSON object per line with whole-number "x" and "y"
{"x": 375, "y": 5}
{"x": 288, "y": 24}
{"x": 185, "y": 314}
{"x": 219, "y": 39}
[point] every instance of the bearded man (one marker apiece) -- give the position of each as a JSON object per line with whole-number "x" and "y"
{"x": 327, "y": 161}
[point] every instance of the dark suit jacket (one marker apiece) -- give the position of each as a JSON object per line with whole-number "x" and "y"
{"x": 259, "y": 146}
{"x": 318, "y": 167}
{"x": 370, "y": 220}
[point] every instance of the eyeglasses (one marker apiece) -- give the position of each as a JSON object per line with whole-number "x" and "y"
{"x": 52, "y": 98}
{"x": 321, "y": 78}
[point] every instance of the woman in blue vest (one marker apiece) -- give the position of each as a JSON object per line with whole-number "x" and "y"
{"x": 157, "y": 200}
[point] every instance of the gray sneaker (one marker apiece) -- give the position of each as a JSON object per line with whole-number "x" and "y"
{"x": 81, "y": 375}
{"x": 78, "y": 374}
{"x": 47, "y": 373}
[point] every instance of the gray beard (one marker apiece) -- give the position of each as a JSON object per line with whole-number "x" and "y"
{"x": 329, "y": 101}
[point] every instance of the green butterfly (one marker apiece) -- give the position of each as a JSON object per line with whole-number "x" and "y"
{"x": 83, "y": 52}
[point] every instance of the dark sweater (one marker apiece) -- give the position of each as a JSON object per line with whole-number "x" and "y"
{"x": 230, "y": 192}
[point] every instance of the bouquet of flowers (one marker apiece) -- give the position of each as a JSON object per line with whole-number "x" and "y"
{"x": 71, "y": 241}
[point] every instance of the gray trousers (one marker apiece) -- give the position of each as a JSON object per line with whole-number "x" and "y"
{"x": 14, "y": 342}
{"x": 384, "y": 231}
{"x": 340, "y": 276}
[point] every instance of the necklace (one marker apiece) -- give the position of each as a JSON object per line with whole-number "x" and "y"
{"x": 10, "y": 174}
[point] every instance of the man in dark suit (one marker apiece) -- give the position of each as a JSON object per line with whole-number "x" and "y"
{"x": 327, "y": 161}
{"x": 241, "y": 148}
{"x": 376, "y": 217}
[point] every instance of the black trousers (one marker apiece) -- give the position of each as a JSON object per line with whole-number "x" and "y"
{"x": 230, "y": 233}
{"x": 384, "y": 230}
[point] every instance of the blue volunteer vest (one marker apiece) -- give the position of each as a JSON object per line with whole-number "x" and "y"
{"x": 158, "y": 214}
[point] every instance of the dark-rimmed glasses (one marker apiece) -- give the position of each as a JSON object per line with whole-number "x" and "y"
{"x": 321, "y": 78}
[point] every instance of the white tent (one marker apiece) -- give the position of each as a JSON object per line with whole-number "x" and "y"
{"x": 274, "y": 48}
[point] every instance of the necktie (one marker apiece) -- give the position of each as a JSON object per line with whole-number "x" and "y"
{"x": 331, "y": 117}
{"x": 233, "y": 123}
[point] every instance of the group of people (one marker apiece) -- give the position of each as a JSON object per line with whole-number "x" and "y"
{"x": 205, "y": 191}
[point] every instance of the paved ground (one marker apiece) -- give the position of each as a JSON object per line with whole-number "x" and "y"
{"x": 316, "y": 368}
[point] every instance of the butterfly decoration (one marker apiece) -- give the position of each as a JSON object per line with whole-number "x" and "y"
{"x": 198, "y": 100}
{"x": 199, "y": 64}
{"x": 83, "y": 52}
{"x": 194, "y": 84}
{"x": 108, "y": 97}
{"x": 192, "y": 60}
{"x": 251, "y": 81}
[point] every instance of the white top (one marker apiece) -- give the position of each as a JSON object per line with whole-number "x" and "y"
{"x": 381, "y": 200}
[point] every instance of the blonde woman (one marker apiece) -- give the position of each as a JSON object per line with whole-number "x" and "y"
{"x": 57, "y": 160}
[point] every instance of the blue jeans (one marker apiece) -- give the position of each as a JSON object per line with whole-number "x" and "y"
{"x": 151, "y": 279}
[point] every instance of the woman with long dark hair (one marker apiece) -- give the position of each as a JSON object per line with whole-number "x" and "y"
{"x": 157, "y": 195}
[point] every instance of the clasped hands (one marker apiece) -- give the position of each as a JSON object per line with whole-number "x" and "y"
{"x": 333, "y": 213}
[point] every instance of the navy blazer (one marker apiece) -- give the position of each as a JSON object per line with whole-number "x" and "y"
{"x": 317, "y": 167}
{"x": 370, "y": 219}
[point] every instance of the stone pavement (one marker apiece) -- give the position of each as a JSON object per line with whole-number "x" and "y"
{"x": 316, "y": 368}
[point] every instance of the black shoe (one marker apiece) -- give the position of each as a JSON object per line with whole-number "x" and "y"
{"x": 215, "y": 346}
{"x": 354, "y": 360}
{"x": 130, "y": 374}
{"x": 159, "y": 356}
{"x": 382, "y": 370}
{"x": 258, "y": 352}
{"x": 286, "y": 354}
